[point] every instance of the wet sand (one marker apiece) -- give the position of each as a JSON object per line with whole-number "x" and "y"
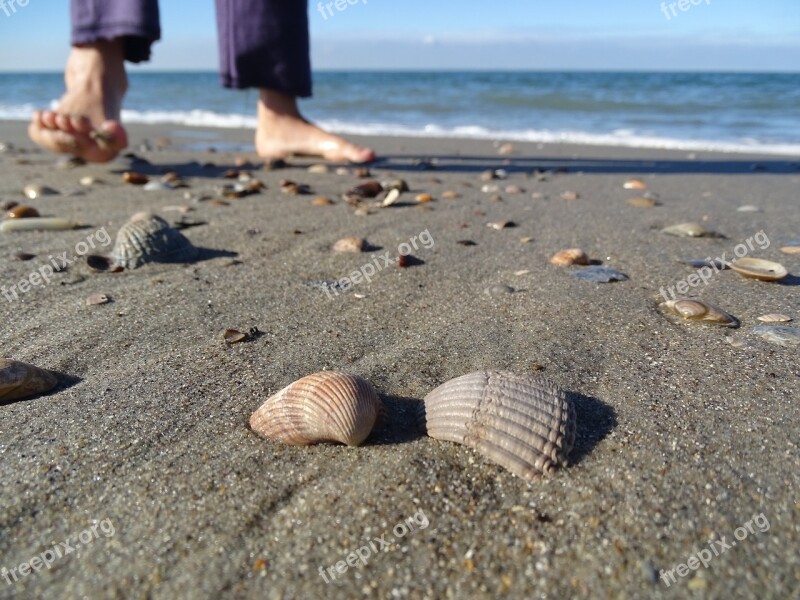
{"x": 683, "y": 437}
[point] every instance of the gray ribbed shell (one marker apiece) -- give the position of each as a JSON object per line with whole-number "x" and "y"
{"x": 149, "y": 238}
{"x": 524, "y": 423}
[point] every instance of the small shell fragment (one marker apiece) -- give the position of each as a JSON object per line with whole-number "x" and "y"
{"x": 791, "y": 247}
{"x": 368, "y": 189}
{"x": 570, "y": 195}
{"x": 97, "y": 299}
{"x": 501, "y": 225}
{"x": 757, "y": 268}
{"x": 234, "y": 336}
{"x": 424, "y": 198}
{"x": 350, "y": 244}
{"x": 642, "y": 202}
{"x": 19, "y": 380}
{"x": 711, "y": 263}
{"x": 689, "y": 230}
{"x": 135, "y": 178}
{"x": 38, "y": 224}
{"x": 634, "y": 184}
{"x": 391, "y": 198}
{"x": 572, "y": 256}
{"x": 774, "y": 318}
{"x": 748, "y": 208}
{"x": 450, "y": 195}
{"x": 35, "y": 191}
{"x": 323, "y": 407}
{"x": 21, "y": 211}
{"x": 524, "y": 423}
{"x": 319, "y": 169}
{"x": 782, "y": 335}
{"x": 695, "y": 309}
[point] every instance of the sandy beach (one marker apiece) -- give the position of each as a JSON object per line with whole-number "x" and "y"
{"x": 687, "y": 433}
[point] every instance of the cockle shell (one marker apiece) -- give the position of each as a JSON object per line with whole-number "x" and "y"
{"x": 149, "y": 238}
{"x": 19, "y": 380}
{"x": 689, "y": 230}
{"x": 695, "y": 309}
{"x": 324, "y": 407}
{"x": 522, "y": 422}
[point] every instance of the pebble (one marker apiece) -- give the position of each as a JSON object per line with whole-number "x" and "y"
{"x": 572, "y": 256}
{"x": 600, "y": 275}
{"x": 350, "y": 244}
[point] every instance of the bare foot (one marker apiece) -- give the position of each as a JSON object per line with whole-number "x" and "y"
{"x": 283, "y": 132}
{"x": 86, "y": 122}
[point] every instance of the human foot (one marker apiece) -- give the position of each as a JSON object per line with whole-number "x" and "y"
{"x": 86, "y": 121}
{"x": 282, "y": 132}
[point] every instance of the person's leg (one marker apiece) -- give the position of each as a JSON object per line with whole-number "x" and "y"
{"x": 264, "y": 44}
{"x": 105, "y": 33}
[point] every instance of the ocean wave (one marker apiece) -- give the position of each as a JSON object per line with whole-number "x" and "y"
{"x": 624, "y": 138}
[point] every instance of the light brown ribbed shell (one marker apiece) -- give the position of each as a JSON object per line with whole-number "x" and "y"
{"x": 148, "y": 238}
{"x": 324, "y": 407}
{"x": 695, "y": 309}
{"x": 524, "y": 423}
{"x": 19, "y": 380}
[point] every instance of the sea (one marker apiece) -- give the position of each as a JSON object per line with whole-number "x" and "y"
{"x": 728, "y": 112}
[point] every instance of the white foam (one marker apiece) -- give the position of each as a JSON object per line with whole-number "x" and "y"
{"x": 625, "y": 138}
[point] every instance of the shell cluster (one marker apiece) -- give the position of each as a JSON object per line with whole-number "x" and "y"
{"x": 323, "y": 407}
{"x": 524, "y": 423}
{"x": 20, "y": 380}
{"x": 148, "y": 238}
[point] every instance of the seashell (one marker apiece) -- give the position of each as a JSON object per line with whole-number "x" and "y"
{"x": 322, "y": 201}
{"x": 38, "y": 224}
{"x": 695, "y": 309}
{"x": 134, "y": 178}
{"x": 98, "y": 299}
{"x": 791, "y": 247}
{"x": 570, "y": 195}
{"x": 524, "y": 423}
{"x": 757, "y": 268}
{"x": 89, "y": 181}
{"x": 391, "y": 198}
{"x": 368, "y": 189}
{"x": 643, "y": 202}
{"x": 319, "y": 169}
{"x": 21, "y": 211}
{"x": 450, "y": 195}
{"x": 324, "y": 407}
{"x": 490, "y": 188}
{"x": 350, "y": 244}
{"x": 293, "y": 188}
{"x": 396, "y": 184}
{"x": 158, "y": 186}
{"x": 573, "y": 256}
{"x": 514, "y": 189}
{"x": 148, "y": 238}
{"x": 19, "y": 380}
{"x": 748, "y": 208}
{"x": 634, "y": 184}
{"x": 493, "y": 174}
{"x": 34, "y": 192}
{"x": 8, "y": 204}
{"x": 689, "y": 230}
{"x": 774, "y": 318}
{"x": 600, "y": 275}
{"x": 717, "y": 264}
{"x": 505, "y": 149}
{"x": 24, "y": 256}
{"x": 424, "y": 198}
{"x": 234, "y": 336}
{"x": 501, "y": 225}
{"x": 782, "y": 335}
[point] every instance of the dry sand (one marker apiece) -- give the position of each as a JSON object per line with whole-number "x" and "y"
{"x": 682, "y": 437}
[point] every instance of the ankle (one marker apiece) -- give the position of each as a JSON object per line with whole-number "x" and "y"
{"x": 277, "y": 104}
{"x": 103, "y": 61}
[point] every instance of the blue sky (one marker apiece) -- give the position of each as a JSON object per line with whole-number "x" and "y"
{"x": 505, "y": 34}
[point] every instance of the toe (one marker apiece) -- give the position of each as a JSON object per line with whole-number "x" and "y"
{"x": 64, "y": 123}
{"x": 49, "y": 120}
{"x": 80, "y": 124}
